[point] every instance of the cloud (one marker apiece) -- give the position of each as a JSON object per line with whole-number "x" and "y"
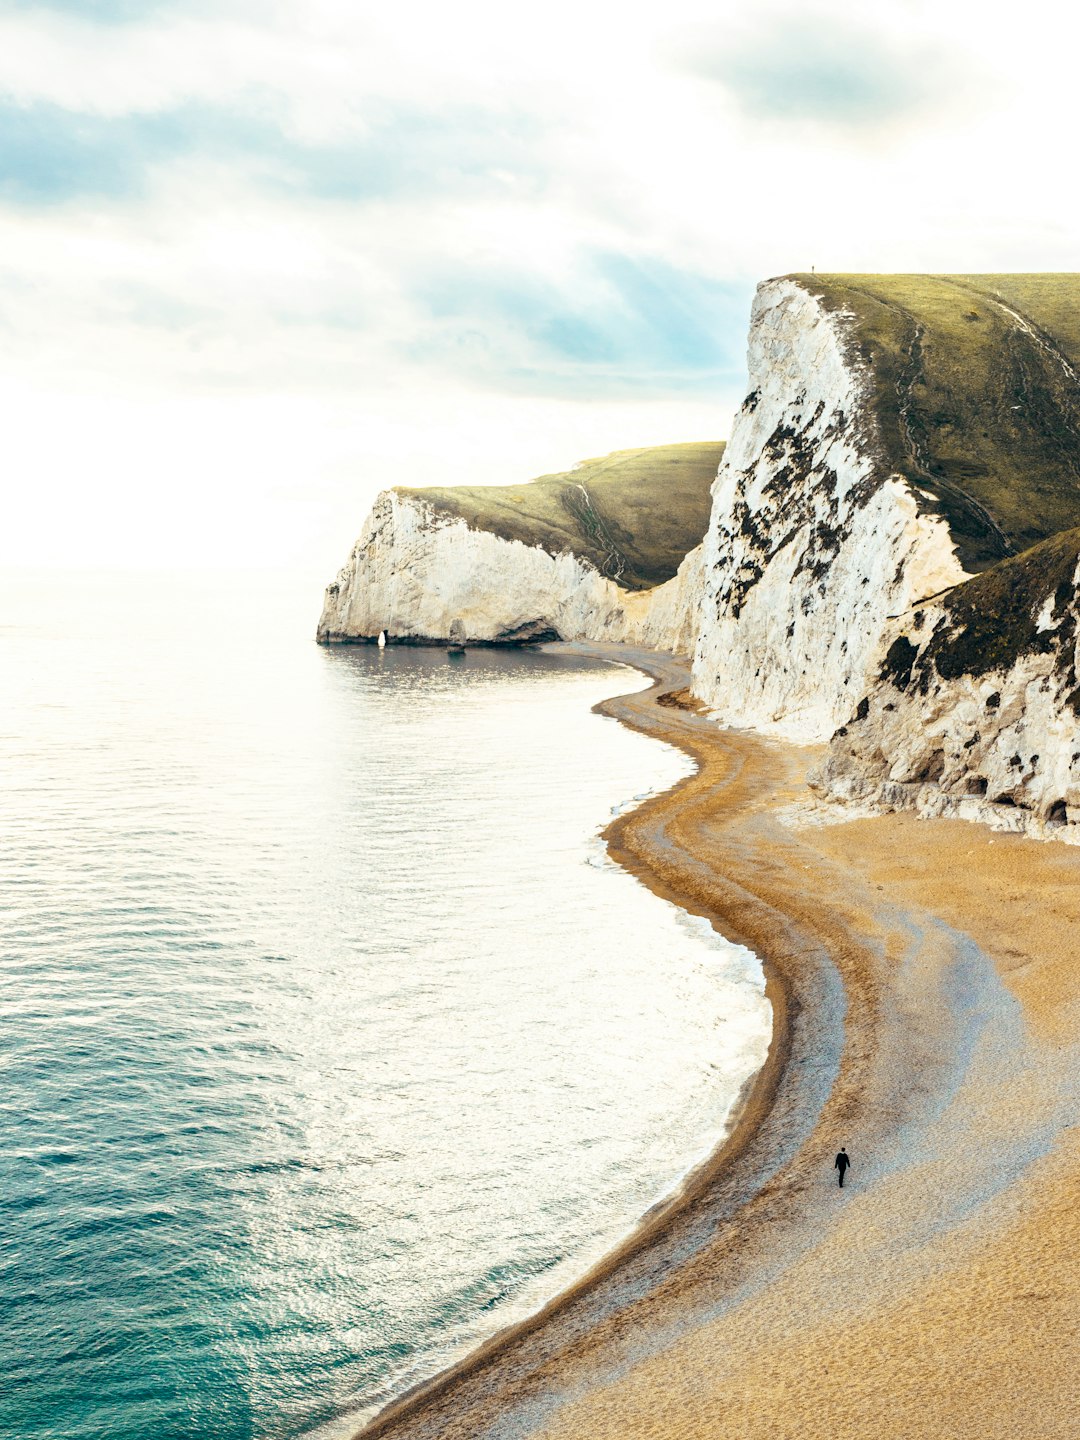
{"x": 412, "y": 153}
{"x": 49, "y": 154}
{"x": 305, "y": 223}
{"x": 826, "y": 69}
{"x": 99, "y": 12}
{"x": 613, "y": 325}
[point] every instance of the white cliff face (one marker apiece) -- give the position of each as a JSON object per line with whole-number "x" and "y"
{"x": 1002, "y": 746}
{"x": 667, "y": 617}
{"x": 812, "y": 546}
{"x": 415, "y": 570}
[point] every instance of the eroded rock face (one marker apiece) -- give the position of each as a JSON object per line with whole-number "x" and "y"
{"x": 415, "y": 570}
{"x": 975, "y": 710}
{"x": 814, "y": 546}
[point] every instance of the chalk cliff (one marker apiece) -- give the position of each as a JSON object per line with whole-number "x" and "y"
{"x": 608, "y": 551}
{"x": 816, "y": 541}
{"x": 975, "y": 712}
{"x": 891, "y": 544}
{"x": 890, "y": 560}
{"x": 873, "y": 565}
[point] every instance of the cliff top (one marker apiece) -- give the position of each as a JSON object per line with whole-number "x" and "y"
{"x": 633, "y": 514}
{"x": 977, "y": 396}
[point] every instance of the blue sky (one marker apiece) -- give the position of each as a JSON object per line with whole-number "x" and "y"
{"x": 277, "y": 255}
{"x": 103, "y": 12}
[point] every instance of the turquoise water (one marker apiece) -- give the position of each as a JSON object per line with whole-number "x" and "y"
{"x": 330, "y": 1039}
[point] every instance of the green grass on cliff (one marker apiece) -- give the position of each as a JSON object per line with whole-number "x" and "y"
{"x": 633, "y": 514}
{"x": 978, "y": 396}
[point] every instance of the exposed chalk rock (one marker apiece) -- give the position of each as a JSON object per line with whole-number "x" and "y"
{"x": 976, "y": 711}
{"x": 415, "y": 570}
{"x": 815, "y": 544}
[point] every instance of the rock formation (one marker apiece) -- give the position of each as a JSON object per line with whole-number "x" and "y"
{"x": 609, "y": 551}
{"x": 953, "y": 451}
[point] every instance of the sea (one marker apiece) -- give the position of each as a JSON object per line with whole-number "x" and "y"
{"x": 331, "y": 1041}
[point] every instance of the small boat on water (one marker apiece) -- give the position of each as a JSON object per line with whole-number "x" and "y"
{"x": 457, "y": 638}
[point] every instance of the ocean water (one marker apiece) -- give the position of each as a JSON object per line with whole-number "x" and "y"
{"x": 330, "y": 1041}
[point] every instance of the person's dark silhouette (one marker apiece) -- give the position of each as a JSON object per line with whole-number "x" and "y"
{"x": 841, "y": 1163}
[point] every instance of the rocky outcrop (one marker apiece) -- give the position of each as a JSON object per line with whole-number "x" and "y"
{"x": 975, "y": 712}
{"x": 816, "y": 542}
{"x": 415, "y": 570}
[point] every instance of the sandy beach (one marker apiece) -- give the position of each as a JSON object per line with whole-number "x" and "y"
{"x": 924, "y": 978}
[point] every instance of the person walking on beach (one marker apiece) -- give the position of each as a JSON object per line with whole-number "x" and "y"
{"x": 841, "y": 1163}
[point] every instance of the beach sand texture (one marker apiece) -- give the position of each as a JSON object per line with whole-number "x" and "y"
{"x": 924, "y": 979}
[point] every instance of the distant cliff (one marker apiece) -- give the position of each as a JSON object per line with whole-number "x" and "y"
{"x": 607, "y": 551}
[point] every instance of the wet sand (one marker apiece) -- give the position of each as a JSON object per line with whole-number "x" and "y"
{"x": 925, "y": 980}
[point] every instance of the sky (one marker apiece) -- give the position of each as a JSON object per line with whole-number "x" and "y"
{"x": 261, "y": 259}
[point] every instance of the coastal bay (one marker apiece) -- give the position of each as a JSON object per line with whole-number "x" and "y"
{"x": 309, "y": 1087}
{"x": 540, "y": 722}
{"x": 923, "y": 986}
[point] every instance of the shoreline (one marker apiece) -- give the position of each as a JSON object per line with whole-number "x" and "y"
{"x": 880, "y": 1018}
{"x": 752, "y": 1105}
{"x": 753, "y": 1099}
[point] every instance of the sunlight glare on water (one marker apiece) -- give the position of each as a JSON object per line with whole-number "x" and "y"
{"x": 329, "y": 1035}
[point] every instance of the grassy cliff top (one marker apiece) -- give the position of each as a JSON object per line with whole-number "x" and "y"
{"x": 977, "y": 397}
{"x": 633, "y": 514}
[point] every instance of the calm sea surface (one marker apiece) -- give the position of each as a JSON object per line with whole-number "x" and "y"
{"x": 329, "y": 1039}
